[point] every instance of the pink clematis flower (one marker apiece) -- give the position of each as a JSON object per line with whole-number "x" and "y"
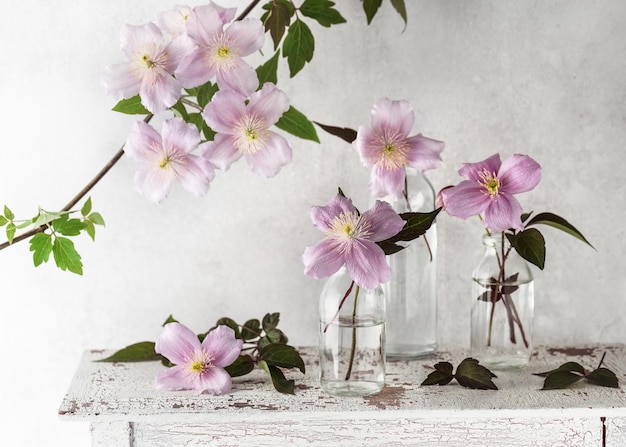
{"x": 168, "y": 158}
{"x": 219, "y": 52}
{"x": 150, "y": 67}
{"x": 199, "y": 366}
{"x": 386, "y": 147}
{"x": 351, "y": 241}
{"x": 174, "y": 21}
{"x": 489, "y": 189}
{"x": 242, "y": 130}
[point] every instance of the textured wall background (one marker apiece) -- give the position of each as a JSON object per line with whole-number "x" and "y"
{"x": 544, "y": 78}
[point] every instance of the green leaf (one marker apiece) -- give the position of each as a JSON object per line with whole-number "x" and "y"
{"x": 137, "y": 352}
{"x": 298, "y": 47}
{"x": 251, "y": 329}
{"x": 278, "y": 20}
{"x": 561, "y": 379}
{"x": 10, "y": 230}
{"x": 441, "y": 376}
{"x": 66, "y": 256}
{"x": 268, "y": 71}
{"x": 41, "y": 246}
{"x": 90, "y": 229}
{"x": 530, "y": 245}
{"x": 96, "y": 218}
{"x": 198, "y": 120}
{"x": 559, "y": 223}
{"x": 472, "y": 375}
{"x": 8, "y": 213}
{"x": 282, "y": 355}
{"x": 346, "y": 134}
{"x": 371, "y": 8}
{"x": 86, "y": 209}
{"x": 169, "y": 319}
{"x": 3, "y": 221}
{"x": 322, "y": 11}
{"x": 270, "y": 321}
{"x": 241, "y": 366}
{"x": 569, "y": 366}
{"x": 295, "y": 123}
{"x": 205, "y": 93}
{"x": 231, "y": 324}
{"x": 68, "y": 227}
{"x": 45, "y": 217}
{"x": 281, "y": 384}
{"x": 400, "y": 7}
{"x": 416, "y": 225}
{"x": 180, "y": 110}
{"x": 131, "y": 106}
{"x": 603, "y": 377}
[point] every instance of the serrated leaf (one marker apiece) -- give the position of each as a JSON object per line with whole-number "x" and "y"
{"x": 470, "y": 374}
{"x": 441, "y": 376}
{"x": 559, "y": 223}
{"x": 241, "y": 366}
{"x": 346, "y": 134}
{"x": 270, "y": 321}
{"x": 298, "y": 46}
{"x": 137, "y": 352}
{"x": 10, "y": 231}
{"x": 96, "y": 218}
{"x": 281, "y": 384}
{"x": 277, "y": 20}
{"x": 68, "y": 227}
{"x": 282, "y": 355}
{"x": 251, "y": 329}
{"x": 268, "y": 71}
{"x": 322, "y": 11}
{"x": 530, "y": 245}
{"x": 231, "y": 324}
{"x": 560, "y": 379}
{"x": 371, "y": 8}
{"x": 131, "y": 106}
{"x": 568, "y": 366}
{"x": 41, "y": 246}
{"x": 66, "y": 256}
{"x": 603, "y": 377}
{"x": 86, "y": 209}
{"x": 295, "y": 123}
{"x": 400, "y": 7}
{"x": 416, "y": 225}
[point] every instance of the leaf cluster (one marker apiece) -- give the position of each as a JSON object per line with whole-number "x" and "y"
{"x": 469, "y": 374}
{"x": 530, "y": 243}
{"x": 570, "y": 373}
{"x": 264, "y": 345}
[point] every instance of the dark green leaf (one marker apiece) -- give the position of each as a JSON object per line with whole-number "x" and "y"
{"x": 472, "y": 375}
{"x": 179, "y": 109}
{"x": 279, "y": 381}
{"x": 416, "y": 225}
{"x": 282, "y": 355}
{"x": 400, "y": 7}
{"x": 131, "y": 106}
{"x": 263, "y": 342}
{"x": 441, "y": 376}
{"x": 558, "y": 222}
{"x": 10, "y": 230}
{"x": 251, "y": 329}
{"x": 268, "y": 71}
{"x": 276, "y": 336}
{"x": 66, "y": 256}
{"x": 346, "y": 134}
{"x": 371, "y": 8}
{"x": 295, "y": 123}
{"x": 298, "y": 47}
{"x": 560, "y": 379}
{"x": 169, "y": 319}
{"x": 270, "y": 321}
{"x": 277, "y": 21}
{"x": 138, "y": 352}
{"x": 231, "y": 324}
{"x": 340, "y": 192}
{"x": 41, "y": 246}
{"x": 603, "y": 377}
{"x": 569, "y": 366}
{"x": 68, "y": 227}
{"x": 240, "y": 367}
{"x": 86, "y": 209}
{"x": 197, "y": 119}
{"x": 205, "y": 93}
{"x": 96, "y": 218}
{"x": 322, "y": 11}
{"x": 530, "y": 245}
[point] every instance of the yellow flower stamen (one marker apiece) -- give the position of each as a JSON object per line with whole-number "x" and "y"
{"x": 394, "y": 151}
{"x": 490, "y": 181}
{"x": 346, "y": 227}
{"x": 251, "y": 134}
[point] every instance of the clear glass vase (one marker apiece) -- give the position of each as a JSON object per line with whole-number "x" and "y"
{"x": 412, "y": 291}
{"x": 352, "y": 337}
{"x": 503, "y": 306}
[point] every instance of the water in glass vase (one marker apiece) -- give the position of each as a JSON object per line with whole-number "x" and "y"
{"x": 352, "y": 356}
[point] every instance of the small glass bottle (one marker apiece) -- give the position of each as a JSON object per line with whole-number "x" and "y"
{"x": 412, "y": 291}
{"x": 352, "y": 337}
{"x": 503, "y": 306}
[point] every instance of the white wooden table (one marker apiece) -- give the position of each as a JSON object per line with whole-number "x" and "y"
{"x": 124, "y": 409}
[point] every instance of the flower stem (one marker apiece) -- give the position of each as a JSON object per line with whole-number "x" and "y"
{"x": 353, "y": 347}
{"x": 343, "y": 300}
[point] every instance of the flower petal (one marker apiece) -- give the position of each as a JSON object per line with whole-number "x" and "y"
{"x": 222, "y": 345}
{"x": 224, "y": 111}
{"x": 178, "y": 48}
{"x": 269, "y": 160}
{"x": 247, "y": 36}
{"x": 384, "y": 182}
{"x": 196, "y": 174}
{"x": 323, "y": 216}
{"x": 241, "y": 78}
{"x": 466, "y": 199}
{"x": 395, "y": 116}
{"x": 194, "y": 69}
{"x": 172, "y": 379}
{"x": 322, "y": 259}
{"x": 214, "y": 380}
{"x": 142, "y": 141}
{"x": 204, "y": 24}
{"x": 424, "y": 153}
{"x": 473, "y": 171}
{"x": 161, "y": 94}
{"x": 269, "y": 103}
{"x": 176, "y": 133}
{"x": 177, "y": 343}
{"x": 139, "y": 37}
{"x": 154, "y": 184}
{"x": 221, "y": 152}
{"x": 519, "y": 173}
{"x": 120, "y": 81}
{"x": 366, "y": 264}
{"x": 503, "y": 212}
{"x": 383, "y": 222}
